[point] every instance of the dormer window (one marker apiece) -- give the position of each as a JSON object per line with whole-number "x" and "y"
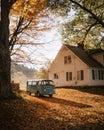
{"x": 67, "y": 59}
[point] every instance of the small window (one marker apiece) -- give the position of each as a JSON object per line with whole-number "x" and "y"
{"x": 39, "y": 83}
{"x": 80, "y": 75}
{"x": 68, "y": 76}
{"x": 67, "y": 59}
{"x": 98, "y": 74}
{"x": 29, "y": 83}
{"x": 102, "y": 75}
{"x": 56, "y": 76}
{"x": 93, "y": 75}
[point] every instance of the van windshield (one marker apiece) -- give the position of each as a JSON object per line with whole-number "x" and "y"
{"x": 47, "y": 82}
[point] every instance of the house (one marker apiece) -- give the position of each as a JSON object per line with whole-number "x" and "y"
{"x": 74, "y": 66}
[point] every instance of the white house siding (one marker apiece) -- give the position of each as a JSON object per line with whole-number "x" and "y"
{"x": 60, "y": 68}
{"x": 95, "y": 82}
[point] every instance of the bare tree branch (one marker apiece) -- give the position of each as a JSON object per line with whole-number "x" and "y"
{"x": 19, "y": 29}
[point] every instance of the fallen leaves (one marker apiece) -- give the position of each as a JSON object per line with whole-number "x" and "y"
{"x": 69, "y": 109}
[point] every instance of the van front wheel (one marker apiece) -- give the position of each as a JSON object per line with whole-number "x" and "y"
{"x": 50, "y": 95}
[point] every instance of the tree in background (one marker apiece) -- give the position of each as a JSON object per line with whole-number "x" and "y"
{"x": 42, "y": 73}
{"x": 87, "y": 24}
{"x": 25, "y": 10}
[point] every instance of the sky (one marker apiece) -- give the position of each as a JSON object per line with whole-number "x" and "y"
{"x": 41, "y": 54}
{"x": 52, "y": 39}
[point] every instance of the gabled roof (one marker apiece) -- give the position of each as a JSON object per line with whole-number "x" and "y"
{"x": 91, "y": 52}
{"x": 84, "y": 56}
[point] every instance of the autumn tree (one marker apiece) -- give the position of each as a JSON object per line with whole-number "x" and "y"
{"x": 25, "y": 10}
{"x": 27, "y": 29}
{"x": 42, "y": 73}
{"x": 87, "y": 24}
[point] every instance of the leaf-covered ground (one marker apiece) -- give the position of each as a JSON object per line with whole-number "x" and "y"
{"x": 68, "y": 109}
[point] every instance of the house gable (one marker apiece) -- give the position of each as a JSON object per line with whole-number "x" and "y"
{"x": 73, "y": 66}
{"x": 72, "y": 52}
{"x": 98, "y": 55}
{"x": 84, "y": 56}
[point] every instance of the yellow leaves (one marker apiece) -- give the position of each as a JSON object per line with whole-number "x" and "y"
{"x": 76, "y": 40}
{"x": 28, "y": 8}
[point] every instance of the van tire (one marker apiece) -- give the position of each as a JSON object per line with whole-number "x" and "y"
{"x": 38, "y": 94}
{"x": 28, "y": 92}
{"x": 50, "y": 95}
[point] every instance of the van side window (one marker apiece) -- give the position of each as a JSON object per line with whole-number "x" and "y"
{"x": 39, "y": 83}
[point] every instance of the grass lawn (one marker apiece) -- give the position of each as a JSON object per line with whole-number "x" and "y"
{"x": 68, "y": 109}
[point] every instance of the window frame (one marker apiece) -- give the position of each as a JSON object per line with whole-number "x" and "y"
{"x": 67, "y": 59}
{"x": 97, "y": 74}
{"x": 56, "y": 76}
{"x": 68, "y": 76}
{"x": 80, "y": 75}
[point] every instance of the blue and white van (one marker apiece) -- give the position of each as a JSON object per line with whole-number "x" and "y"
{"x": 41, "y": 87}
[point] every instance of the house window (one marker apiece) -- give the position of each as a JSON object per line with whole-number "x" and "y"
{"x": 67, "y": 59}
{"x": 98, "y": 74}
{"x": 95, "y": 74}
{"x": 102, "y": 74}
{"x": 56, "y": 76}
{"x": 68, "y": 76}
{"x": 80, "y": 75}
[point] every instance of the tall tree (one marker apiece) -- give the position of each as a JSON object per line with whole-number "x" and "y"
{"x": 87, "y": 24}
{"x": 25, "y": 15}
{"x": 24, "y": 9}
{"x": 5, "y": 61}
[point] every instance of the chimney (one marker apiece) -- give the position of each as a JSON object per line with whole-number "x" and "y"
{"x": 81, "y": 45}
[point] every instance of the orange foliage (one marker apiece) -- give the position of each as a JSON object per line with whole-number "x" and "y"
{"x": 28, "y": 8}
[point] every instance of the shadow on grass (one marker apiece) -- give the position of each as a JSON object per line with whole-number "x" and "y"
{"x": 97, "y": 90}
{"x": 19, "y": 114}
{"x": 65, "y": 102}
{"x": 93, "y": 90}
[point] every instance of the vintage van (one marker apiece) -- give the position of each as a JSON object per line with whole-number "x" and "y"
{"x": 41, "y": 87}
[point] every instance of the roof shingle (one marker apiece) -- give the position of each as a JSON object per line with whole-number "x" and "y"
{"x": 84, "y": 56}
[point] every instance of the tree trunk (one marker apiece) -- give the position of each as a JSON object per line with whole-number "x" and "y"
{"x": 5, "y": 61}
